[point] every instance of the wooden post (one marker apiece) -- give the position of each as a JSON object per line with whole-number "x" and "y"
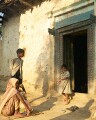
{"x": 94, "y": 37}
{"x": 95, "y": 7}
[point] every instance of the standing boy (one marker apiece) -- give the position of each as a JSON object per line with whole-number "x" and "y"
{"x": 16, "y": 67}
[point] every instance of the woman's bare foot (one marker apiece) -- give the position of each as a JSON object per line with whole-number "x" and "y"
{"x": 28, "y": 112}
{"x": 20, "y": 115}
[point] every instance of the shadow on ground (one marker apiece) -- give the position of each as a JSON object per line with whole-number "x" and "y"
{"x": 80, "y": 114}
{"x": 36, "y": 98}
{"x": 47, "y": 105}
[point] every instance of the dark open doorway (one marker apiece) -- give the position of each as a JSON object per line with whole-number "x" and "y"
{"x": 75, "y": 56}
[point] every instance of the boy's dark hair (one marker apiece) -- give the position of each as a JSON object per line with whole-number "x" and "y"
{"x": 20, "y": 51}
{"x": 64, "y": 65}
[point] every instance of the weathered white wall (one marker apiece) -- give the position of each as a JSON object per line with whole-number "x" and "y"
{"x": 35, "y": 38}
{"x": 39, "y": 58}
{"x": 30, "y": 31}
{"x": 10, "y": 43}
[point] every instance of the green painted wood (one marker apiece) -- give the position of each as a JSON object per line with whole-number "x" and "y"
{"x": 73, "y": 19}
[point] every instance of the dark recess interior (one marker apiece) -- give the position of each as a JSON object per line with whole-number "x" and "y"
{"x": 75, "y": 56}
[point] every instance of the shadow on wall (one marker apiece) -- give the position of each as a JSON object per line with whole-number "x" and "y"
{"x": 80, "y": 114}
{"x": 42, "y": 70}
{"x": 10, "y": 44}
{"x": 3, "y": 84}
{"x": 42, "y": 76}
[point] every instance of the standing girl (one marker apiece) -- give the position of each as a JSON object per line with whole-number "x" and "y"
{"x": 65, "y": 84}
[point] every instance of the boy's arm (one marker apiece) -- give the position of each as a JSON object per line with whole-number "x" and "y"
{"x": 11, "y": 64}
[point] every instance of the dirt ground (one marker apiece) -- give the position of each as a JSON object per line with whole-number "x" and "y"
{"x": 53, "y": 108}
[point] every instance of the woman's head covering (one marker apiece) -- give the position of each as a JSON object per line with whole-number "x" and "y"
{"x": 12, "y": 83}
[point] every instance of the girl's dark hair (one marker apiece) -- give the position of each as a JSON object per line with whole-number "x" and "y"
{"x": 20, "y": 51}
{"x": 64, "y": 65}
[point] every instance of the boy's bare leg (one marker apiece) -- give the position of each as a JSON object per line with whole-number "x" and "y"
{"x": 22, "y": 86}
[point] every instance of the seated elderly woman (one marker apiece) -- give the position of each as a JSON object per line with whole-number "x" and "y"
{"x": 11, "y": 100}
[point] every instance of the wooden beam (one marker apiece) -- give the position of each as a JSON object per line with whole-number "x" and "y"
{"x": 8, "y": 1}
{"x": 26, "y": 3}
{"x": 12, "y": 11}
{"x": 20, "y": 7}
{"x": 14, "y": 7}
{"x": 3, "y": 6}
{"x": 7, "y": 13}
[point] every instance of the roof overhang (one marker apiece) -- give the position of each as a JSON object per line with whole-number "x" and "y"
{"x": 14, "y": 7}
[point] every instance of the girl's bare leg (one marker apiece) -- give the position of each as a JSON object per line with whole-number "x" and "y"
{"x": 64, "y": 96}
{"x": 67, "y": 99}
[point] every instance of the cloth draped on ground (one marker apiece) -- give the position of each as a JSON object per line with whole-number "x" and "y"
{"x": 10, "y": 102}
{"x": 65, "y": 85}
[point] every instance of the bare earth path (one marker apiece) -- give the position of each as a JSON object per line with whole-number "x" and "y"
{"x": 53, "y": 108}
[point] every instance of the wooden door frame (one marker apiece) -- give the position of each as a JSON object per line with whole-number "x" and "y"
{"x": 59, "y": 33}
